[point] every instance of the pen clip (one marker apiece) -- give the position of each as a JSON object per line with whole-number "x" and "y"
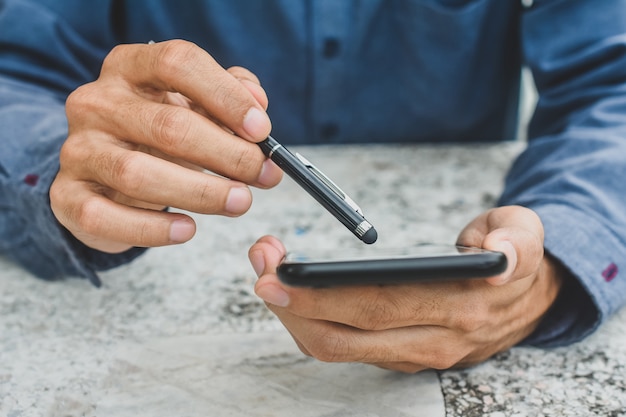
{"x": 329, "y": 183}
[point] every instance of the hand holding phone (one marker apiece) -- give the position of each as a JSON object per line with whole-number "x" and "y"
{"x": 441, "y": 324}
{"x": 412, "y": 264}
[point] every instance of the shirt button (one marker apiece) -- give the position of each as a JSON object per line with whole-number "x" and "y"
{"x": 527, "y": 3}
{"x": 331, "y": 47}
{"x": 329, "y": 130}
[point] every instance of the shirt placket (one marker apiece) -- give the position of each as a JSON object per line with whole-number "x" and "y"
{"x": 330, "y": 28}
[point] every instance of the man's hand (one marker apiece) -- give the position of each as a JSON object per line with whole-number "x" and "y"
{"x": 143, "y": 134}
{"x": 424, "y": 325}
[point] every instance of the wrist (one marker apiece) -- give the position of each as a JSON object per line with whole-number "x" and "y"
{"x": 571, "y": 314}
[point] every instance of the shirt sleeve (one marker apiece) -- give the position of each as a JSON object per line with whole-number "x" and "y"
{"x": 41, "y": 60}
{"x": 573, "y": 172}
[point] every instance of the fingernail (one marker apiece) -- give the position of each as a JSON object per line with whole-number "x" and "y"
{"x": 511, "y": 256}
{"x": 258, "y": 262}
{"x": 256, "y": 123}
{"x": 182, "y": 230}
{"x": 273, "y": 295}
{"x": 238, "y": 200}
{"x": 270, "y": 173}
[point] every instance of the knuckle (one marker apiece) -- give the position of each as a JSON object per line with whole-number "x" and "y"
{"x": 473, "y": 312}
{"x": 206, "y": 195}
{"x": 56, "y": 193}
{"x": 329, "y": 346}
{"x": 127, "y": 173}
{"x": 247, "y": 162}
{"x": 111, "y": 60}
{"x": 115, "y": 55}
{"x": 78, "y": 102}
{"x": 71, "y": 151}
{"x": 173, "y": 56}
{"x": 243, "y": 73}
{"x": 144, "y": 234}
{"x": 74, "y": 100}
{"x": 227, "y": 94}
{"x": 225, "y": 90}
{"x": 377, "y": 311}
{"x": 92, "y": 104}
{"x": 88, "y": 215}
{"x": 470, "y": 319}
{"x": 170, "y": 127}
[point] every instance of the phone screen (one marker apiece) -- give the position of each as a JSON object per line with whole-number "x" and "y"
{"x": 425, "y": 262}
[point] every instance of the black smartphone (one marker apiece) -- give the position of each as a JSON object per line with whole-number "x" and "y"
{"x": 425, "y": 262}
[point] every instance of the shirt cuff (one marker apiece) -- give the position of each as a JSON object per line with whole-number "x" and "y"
{"x": 88, "y": 261}
{"x": 593, "y": 289}
{"x": 73, "y": 259}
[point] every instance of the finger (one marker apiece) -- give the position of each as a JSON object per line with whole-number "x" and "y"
{"x": 176, "y": 131}
{"x": 110, "y": 227}
{"x": 247, "y": 79}
{"x": 422, "y": 346}
{"x": 265, "y": 256}
{"x": 513, "y": 230}
{"x": 242, "y": 73}
{"x": 409, "y": 349}
{"x": 266, "y": 247}
{"x": 178, "y": 99}
{"x": 180, "y": 66}
{"x": 252, "y": 83}
{"x": 150, "y": 179}
{"x": 518, "y": 232}
{"x": 257, "y": 92}
{"x": 503, "y": 245}
{"x": 465, "y": 305}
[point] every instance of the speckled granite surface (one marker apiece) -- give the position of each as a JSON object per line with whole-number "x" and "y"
{"x": 587, "y": 379}
{"x": 180, "y": 331}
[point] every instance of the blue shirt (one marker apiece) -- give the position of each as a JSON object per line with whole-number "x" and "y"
{"x": 341, "y": 71}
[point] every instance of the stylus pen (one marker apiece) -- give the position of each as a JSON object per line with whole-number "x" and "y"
{"x": 326, "y": 192}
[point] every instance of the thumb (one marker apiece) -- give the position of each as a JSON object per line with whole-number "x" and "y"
{"x": 518, "y": 233}
{"x": 506, "y": 247}
{"x": 265, "y": 255}
{"x": 523, "y": 250}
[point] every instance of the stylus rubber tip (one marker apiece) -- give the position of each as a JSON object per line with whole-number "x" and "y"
{"x": 370, "y": 236}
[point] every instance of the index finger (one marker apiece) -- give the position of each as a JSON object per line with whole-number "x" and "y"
{"x": 183, "y": 67}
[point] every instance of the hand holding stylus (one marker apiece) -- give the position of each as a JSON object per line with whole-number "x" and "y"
{"x": 143, "y": 136}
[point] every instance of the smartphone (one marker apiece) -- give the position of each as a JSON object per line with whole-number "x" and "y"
{"x": 426, "y": 262}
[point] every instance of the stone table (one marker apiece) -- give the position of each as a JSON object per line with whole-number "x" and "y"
{"x": 180, "y": 331}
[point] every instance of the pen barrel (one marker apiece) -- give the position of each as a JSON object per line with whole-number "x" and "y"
{"x": 332, "y": 202}
{"x": 268, "y": 146}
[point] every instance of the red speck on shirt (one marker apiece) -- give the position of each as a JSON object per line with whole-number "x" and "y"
{"x": 31, "y": 179}
{"x": 610, "y": 272}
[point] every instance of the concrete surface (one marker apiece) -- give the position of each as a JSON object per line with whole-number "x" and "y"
{"x": 180, "y": 331}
